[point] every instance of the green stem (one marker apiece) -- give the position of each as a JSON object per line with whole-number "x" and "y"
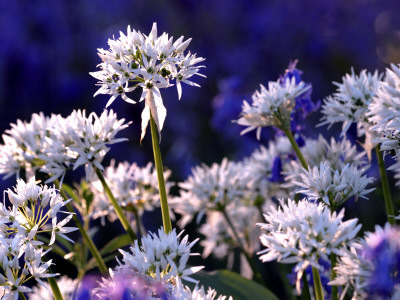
{"x": 118, "y": 209}
{"x": 21, "y": 295}
{"x": 306, "y": 287}
{"x": 335, "y": 291}
{"x": 54, "y": 287}
{"x": 160, "y": 175}
{"x": 319, "y": 294}
{"x": 385, "y": 187}
{"x": 89, "y": 242}
{"x": 296, "y": 148}
{"x": 256, "y": 273}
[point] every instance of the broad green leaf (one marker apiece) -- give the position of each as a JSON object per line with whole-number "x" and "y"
{"x": 113, "y": 245}
{"x": 232, "y": 284}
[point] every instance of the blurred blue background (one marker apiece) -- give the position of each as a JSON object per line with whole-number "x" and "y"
{"x": 48, "y": 48}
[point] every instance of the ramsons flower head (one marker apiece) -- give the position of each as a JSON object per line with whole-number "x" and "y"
{"x": 304, "y": 232}
{"x": 161, "y": 256}
{"x": 350, "y": 102}
{"x": 271, "y": 106}
{"x": 150, "y": 62}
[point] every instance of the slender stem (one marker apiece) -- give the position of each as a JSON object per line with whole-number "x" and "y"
{"x": 256, "y": 273}
{"x": 319, "y": 294}
{"x": 160, "y": 175}
{"x": 21, "y": 295}
{"x": 117, "y": 208}
{"x": 54, "y": 287}
{"x": 334, "y": 288}
{"x": 306, "y": 287}
{"x": 88, "y": 241}
{"x": 385, "y": 187}
{"x": 296, "y": 148}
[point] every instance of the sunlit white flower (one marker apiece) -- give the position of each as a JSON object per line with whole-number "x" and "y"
{"x": 272, "y": 106}
{"x": 146, "y": 61}
{"x": 384, "y": 110}
{"x": 334, "y": 187}
{"x": 162, "y": 256}
{"x": 350, "y": 102}
{"x": 303, "y": 232}
{"x": 182, "y": 292}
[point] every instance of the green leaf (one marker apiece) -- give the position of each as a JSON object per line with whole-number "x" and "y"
{"x": 232, "y": 284}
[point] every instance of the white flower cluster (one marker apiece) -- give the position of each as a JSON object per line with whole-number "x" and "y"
{"x": 55, "y": 144}
{"x": 150, "y": 62}
{"x": 272, "y": 106}
{"x": 333, "y": 187}
{"x": 134, "y": 187}
{"x": 33, "y": 211}
{"x": 350, "y": 102}
{"x": 182, "y": 292}
{"x": 303, "y": 232}
{"x": 161, "y": 256}
{"x": 384, "y": 113}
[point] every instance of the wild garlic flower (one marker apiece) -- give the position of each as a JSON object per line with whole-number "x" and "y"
{"x": 350, "y": 102}
{"x": 384, "y": 110}
{"x": 161, "y": 256}
{"x": 371, "y": 266}
{"x": 272, "y": 106}
{"x": 333, "y": 187}
{"x": 209, "y": 188}
{"x": 134, "y": 187}
{"x": 304, "y": 232}
{"x": 182, "y": 292}
{"x": 68, "y": 288}
{"x": 22, "y": 145}
{"x": 79, "y": 140}
{"x": 147, "y": 61}
{"x": 32, "y": 207}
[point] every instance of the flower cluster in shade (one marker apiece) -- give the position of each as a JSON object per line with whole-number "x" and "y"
{"x": 303, "y": 233}
{"x": 33, "y": 211}
{"x": 230, "y": 192}
{"x": 134, "y": 187}
{"x": 370, "y": 267}
{"x": 136, "y": 60}
{"x": 278, "y": 104}
{"x": 55, "y": 144}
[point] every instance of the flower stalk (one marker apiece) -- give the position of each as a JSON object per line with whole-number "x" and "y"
{"x": 160, "y": 175}
{"x": 89, "y": 242}
{"x": 118, "y": 209}
{"x": 385, "y": 187}
{"x": 296, "y": 147}
{"x": 319, "y": 295}
{"x": 54, "y": 287}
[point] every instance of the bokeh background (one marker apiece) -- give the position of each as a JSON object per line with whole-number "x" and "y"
{"x": 48, "y": 48}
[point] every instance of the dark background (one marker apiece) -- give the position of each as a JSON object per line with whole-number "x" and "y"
{"x": 48, "y": 48}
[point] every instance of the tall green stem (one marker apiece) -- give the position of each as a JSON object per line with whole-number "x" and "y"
{"x": 54, "y": 287}
{"x": 296, "y": 147}
{"x": 21, "y": 295}
{"x": 160, "y": 175}
{"x": 118, "y": 209}
{"x": 385, "y": 187}
{"x": 89, "y": 242}
{"x": 334, "y": 288}
{"x": 319, "y": 294}
{"x": 256, "y": 273}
